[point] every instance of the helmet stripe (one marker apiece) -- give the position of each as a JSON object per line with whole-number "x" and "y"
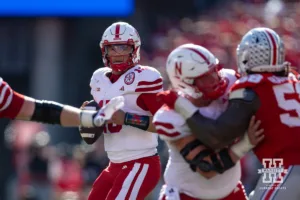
{"x": 200, "y": 54}
{"x": 117, "y": 32}
{"x": 274, "y": 49}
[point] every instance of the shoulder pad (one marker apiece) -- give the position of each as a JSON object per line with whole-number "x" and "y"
{"x": 149, "y": 80}
{"x": 170, "y": 125}
{"x": 231, "y": 75}
{"x": 245, "y": 94}
{"x": 99, "y": 78}
{"x": 102, "y": 71}
{"x": 100, "y": 74}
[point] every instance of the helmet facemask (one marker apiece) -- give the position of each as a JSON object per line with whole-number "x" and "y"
{"x": 211, "y": 84}
{"x": 204, "y": 88}
{"x": 119, "y": 56}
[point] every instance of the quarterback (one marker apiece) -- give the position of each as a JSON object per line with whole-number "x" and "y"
{"x": 129, "y": 138}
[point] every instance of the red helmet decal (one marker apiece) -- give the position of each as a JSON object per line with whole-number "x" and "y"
{"x": 117, "y": 32}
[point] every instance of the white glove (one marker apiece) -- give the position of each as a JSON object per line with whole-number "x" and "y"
{"x": 242, "y": 147}
{"x": 107, "y": 111}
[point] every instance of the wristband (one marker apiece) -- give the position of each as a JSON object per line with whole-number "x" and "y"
{"x": 87, "y": 118}
{"x": 138, "y": 121}
{"x": 242, "y": 147}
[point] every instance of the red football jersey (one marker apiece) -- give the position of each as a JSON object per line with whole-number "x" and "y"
{"x": 10, "y": 101}
{"x": 279, "y": 113}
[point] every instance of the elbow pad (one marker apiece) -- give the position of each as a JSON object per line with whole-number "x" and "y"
{"x": 47, "y": 112}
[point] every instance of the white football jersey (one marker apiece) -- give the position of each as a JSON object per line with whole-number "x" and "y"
{"x": 178, "y": 173}
{"x": 124, "y": 143}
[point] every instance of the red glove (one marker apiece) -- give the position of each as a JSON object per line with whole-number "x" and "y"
{"x": 168, "y": 97}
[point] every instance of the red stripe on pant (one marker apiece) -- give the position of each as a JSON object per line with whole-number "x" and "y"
{"x": 130, "y": 180}
{"x": 274, "y": 187}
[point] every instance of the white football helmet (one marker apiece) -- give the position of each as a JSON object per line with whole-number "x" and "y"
{"x": 194, "y": 70}
{"x": 261, "y": 50}
{"x": 121, "y": 33}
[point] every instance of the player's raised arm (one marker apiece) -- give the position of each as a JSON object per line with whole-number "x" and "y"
{"x": 17, "y": 106}
{"x": 233, "y": 123}
{"x": 51, "y": 112}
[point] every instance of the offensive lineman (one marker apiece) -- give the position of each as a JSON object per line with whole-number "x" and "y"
{"x": 194, "y": 72}
{"x": 268, "y": 92}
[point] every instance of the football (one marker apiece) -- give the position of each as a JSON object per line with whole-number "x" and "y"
{"x": 90, "y": 135}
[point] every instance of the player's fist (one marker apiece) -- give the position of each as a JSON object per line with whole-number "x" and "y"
{"x": 90, "y": 134}
{"x": 168, "y": 97}
{"x": 107, "y": 111}
{"x": 117, "y": 118}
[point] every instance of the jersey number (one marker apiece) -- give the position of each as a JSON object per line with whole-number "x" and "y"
{"x": 110, "y": 128}
{"x": 288, "y": 98}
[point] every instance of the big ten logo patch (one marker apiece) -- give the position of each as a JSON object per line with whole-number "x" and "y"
{"x": 129, "y": 78}
{"x": 273, "y": 171}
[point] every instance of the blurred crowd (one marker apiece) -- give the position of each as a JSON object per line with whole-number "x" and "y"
{"x": 221, "y": 29}
{"x": 50, "y": 172}
{"x": 45, "y": 172}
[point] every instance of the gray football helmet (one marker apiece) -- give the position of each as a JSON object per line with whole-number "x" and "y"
{"x": 261, "y": 50}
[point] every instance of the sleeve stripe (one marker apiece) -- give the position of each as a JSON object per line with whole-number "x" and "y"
{"x": 165, "y": 125}
{"x": 8, "y": 101}
{"x": 149, "y": 86}
{"x": 3, "y": 89}
{"x": 142, "y": 83}
{"x": 5, "y": 96}
{"x": 149, "y": 89}
{"x": 167, "y": 130}
{"x": 162, "y": 132}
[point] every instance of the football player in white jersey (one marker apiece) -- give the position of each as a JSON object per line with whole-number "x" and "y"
{"x": 129, "y": 138}
{"x": 17, "y": 106}
{"x": 194, "y": 72}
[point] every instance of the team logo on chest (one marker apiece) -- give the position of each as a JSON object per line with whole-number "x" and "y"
{"x": 129, "y": 78}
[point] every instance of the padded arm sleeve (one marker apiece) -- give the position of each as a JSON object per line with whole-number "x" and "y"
{"x": 231, "y": 124}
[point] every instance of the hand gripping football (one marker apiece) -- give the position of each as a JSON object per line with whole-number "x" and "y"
{"x": 107, "y": 111}
{"x": 90, "y": 135}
